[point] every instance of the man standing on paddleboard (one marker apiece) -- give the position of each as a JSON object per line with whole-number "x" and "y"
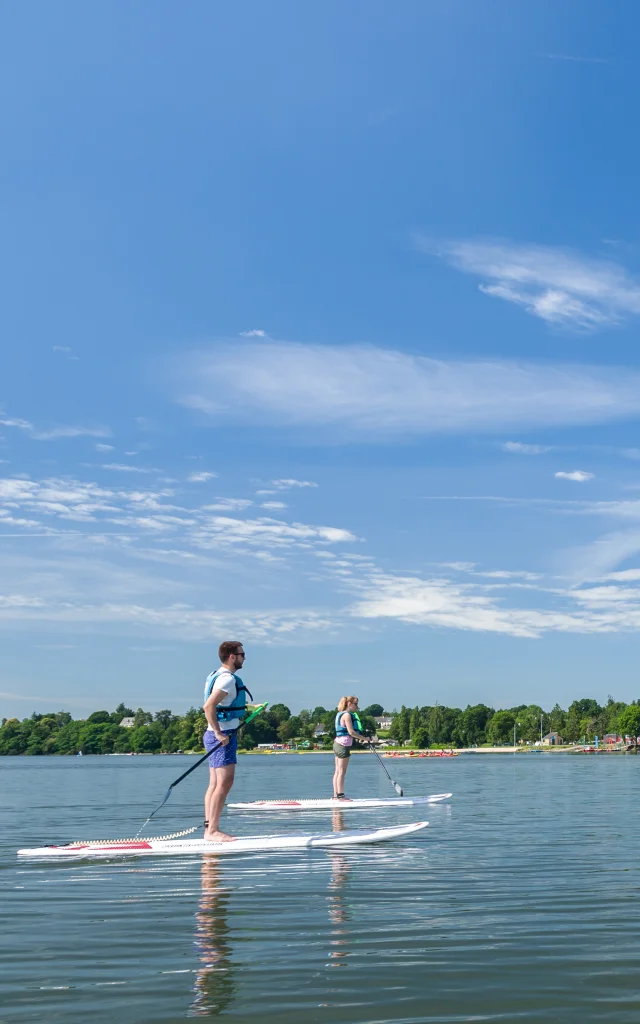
{"x": 225, "y": 702}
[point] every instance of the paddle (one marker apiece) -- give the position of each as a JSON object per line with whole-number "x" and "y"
{"x": 395, "y": 785}
{"x": 254, "y": 714}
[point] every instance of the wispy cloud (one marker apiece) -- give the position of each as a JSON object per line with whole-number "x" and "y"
{"x": 201, "y": 478}
{"x": 359, "y": 391}
{"x": 517, "y": 448}
{"x": 123, "y": 467}
{"x": 255, "y": 333}
{"x": 66, "y": 351}
{"x": 562, "y": 287}
{"x": 579, "y": 476}
{"x": 228, "y": 505}
{"x": 59, "y": 432}
{"x": 287, "y": 485}
{"x": 55, "y": 433}
{"x": 441, "y": 603}
{"x": 576, "y": 59}
{"x": 273, "y": 504}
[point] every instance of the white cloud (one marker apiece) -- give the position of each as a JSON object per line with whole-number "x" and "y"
{"x": 180, "y": 620}
{"x": 220, "y": 530}
{"x": 579, "y": 476}
{"x": 574, "y": 59}
{"x": 517, "y": 448}
{"x": 118, "y": 467}
{"x": 253, "y": 334}
{"x": 563, "y": 288}
{"x": 201, "y": 478}
{"x": 55, "y": 433}
{"x": 65, "y": 351}
{"x": 104, "y": 447}
{"x": 287, "y": 485}
{"x": 273, "y": 504}
{"x": 360, "y": 390}
{"x": 17, "y": 423}
{"x": 504, "y": 574}
{"x": 628, "y": 575}
{"x": 228, "y": 505}
{"x": 59, "y": 432}
{"x": 439, "y": 603}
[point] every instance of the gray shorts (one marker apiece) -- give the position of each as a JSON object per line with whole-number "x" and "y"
{"x": 340, "y": 750}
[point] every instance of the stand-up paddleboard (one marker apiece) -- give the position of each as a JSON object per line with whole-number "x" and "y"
{"x": 253, "y": 844}
{"x": 341, "y": 805}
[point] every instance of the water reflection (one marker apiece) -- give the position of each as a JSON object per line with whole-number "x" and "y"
{"x": 214, "y": 986}
{"x": 338, "y": 912}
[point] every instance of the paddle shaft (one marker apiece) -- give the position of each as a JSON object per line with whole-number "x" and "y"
{"x": 396, "y": 785}
{"x": 199, "y": 762}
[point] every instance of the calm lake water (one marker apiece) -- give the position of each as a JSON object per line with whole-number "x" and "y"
{"x": 518, "y": 903}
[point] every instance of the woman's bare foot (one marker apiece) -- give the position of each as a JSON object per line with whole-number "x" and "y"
{"x": 218, "y": 837}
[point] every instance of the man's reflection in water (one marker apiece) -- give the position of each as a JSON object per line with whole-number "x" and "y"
{"x": 337, "y": 908}
{"x": 214, "y": 986}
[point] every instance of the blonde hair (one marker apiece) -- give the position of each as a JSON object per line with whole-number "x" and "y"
{"x": 342, "y": 703}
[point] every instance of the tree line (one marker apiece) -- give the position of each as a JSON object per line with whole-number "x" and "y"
{"x": 162, "y": 732}
{"x": 478, "y": 724}
{"x": 432, "y": 725}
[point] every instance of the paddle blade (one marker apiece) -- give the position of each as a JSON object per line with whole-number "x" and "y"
{"x": 399, "y": 790}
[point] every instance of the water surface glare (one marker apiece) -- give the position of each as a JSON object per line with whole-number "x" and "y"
{"x": 519, "y": 902}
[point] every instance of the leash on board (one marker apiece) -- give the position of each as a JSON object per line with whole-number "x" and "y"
{"x": 256, "y": 712}
{"x": 396, "y": 786}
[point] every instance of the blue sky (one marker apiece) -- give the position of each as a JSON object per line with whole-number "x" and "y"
{"x": 320, "y": 331}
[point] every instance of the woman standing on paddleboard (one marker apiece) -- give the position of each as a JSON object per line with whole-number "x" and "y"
{"x": 348, "y": 729}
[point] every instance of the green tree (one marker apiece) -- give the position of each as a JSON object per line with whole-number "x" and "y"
{"x": 142, "y": 717}
{"x": 12, "y": 737}
{"x": 97, "y": 737}
{"x": 374, "y": 710}
{"x": 401, "y": 725}
{"x": 289, "y": 729}
{"x": 146, "y": 739}
{"x": 165, "y": 718}
{"x": 420, "y": 738}
{"x": 556, "y": 721}
{"x": 277, "y": 713}
{"x": 500, "y": 730}
{"x": 68, "y": 738}
{"x": 99, "y": 718}
{"x": 529, "y": 723}
{"x": 470, "y": 728}
{"x": 629, "y": 723}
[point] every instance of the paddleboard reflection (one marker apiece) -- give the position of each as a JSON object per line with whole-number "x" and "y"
{"x": 338, "y": 914}
{"x": 214, "y": 985}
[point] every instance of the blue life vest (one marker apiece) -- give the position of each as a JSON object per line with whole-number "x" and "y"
{"x": 238, "y": 706}
{"x": 341, "y": 730}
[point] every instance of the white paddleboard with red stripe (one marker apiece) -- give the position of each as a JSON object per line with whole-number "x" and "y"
{"x": 338, "y": 805}
{"x": 253, "y": 844}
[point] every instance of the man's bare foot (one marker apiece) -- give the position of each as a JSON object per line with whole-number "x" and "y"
{"x": 218, "y": 837}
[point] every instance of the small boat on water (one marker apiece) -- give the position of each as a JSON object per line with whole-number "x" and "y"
{"x": 421, "y": 753}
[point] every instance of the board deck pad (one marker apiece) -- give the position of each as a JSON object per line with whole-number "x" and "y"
{"x": 251, "y": 844}
{"x": 339, "y": 805}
